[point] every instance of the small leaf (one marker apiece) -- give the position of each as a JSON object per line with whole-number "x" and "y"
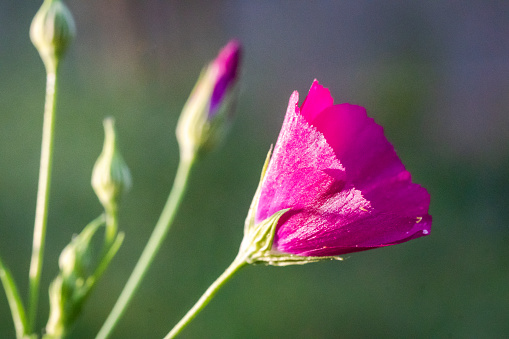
{"x": 15, "y": 303}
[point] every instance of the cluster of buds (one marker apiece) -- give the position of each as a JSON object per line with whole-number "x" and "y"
{"x": 79, "y": 270}
{"x": 80, "y": 266}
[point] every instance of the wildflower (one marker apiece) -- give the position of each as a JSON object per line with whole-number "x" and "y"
{"x": 334, "y": 185}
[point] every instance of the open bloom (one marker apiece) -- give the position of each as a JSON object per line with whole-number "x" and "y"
{"x": 339, "y": 181}
{"x": 334, "y": 185}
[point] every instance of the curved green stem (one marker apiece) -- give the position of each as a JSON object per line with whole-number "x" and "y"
{"x": 238, "y": 263}
{"x": 111, "y": 225}
{"x": 14, "y": 300}
{"x": 41, "y": 211}
{"x": 154, "y": 243}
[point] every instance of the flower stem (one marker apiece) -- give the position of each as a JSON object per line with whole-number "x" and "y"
{"x": 154, "y": 243}
{"x": 111, "y": 225}
{"x": 14, "y": 300}
{"x": 41, "y": 211}
{"x": 207, "y": 296}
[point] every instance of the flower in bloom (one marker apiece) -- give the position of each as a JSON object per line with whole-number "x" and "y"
{"x": 207, "y": 113}
{"x": 337, "y": 183}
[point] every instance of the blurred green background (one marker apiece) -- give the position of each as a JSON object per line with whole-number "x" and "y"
{"x": 434, "y": 74}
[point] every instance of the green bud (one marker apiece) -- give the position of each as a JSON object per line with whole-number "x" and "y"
{"x": 71, "y": 287}
{"x": 111, "y": 176}
{"x": 80, "y": 268}
{"x": 52, "y": 31}
{"x": 56, "y": 323}
{"x": 76, "y": 258}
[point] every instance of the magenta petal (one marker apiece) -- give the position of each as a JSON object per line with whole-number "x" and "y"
{"x": 359, "y": 143}
{"x": 345, "y": 186}
{"x": 294, "y": 176}
{"x": 227, "y": 63}
{"x": 318, "y": 99}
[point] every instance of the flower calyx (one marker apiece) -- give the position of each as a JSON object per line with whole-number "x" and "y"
{"x": 52, "y": 31}
{"x": 257, "y": 244}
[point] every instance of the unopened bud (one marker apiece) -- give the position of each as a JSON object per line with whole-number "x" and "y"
{"x": 70, "y": 288}
{"x": 111, "y": 176}
{"x": 52, "y": 31}
{"x": 76, "y": 258}
{"x": 56, "y": 327}
{"x": 207, "y": 113}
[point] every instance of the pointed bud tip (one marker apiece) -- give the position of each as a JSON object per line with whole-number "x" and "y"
{"x": 52, "y": 31}
{"x": 110, "y": 176}
{"x": 227, "y": 66}
{"x": 208, "y": 112}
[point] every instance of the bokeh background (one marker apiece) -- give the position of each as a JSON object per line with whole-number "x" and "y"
{"x": 434, "y": 74}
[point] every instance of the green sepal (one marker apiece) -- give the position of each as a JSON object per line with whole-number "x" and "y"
{"x": 218, "y": 126}
{"x": 192, "y": 127}
{"x": 256, "y": 246}
{"x": 52, "y": 30}
{"x": 75, "y": 258}
{"x": 258, "y": 240}
{"x": 251, "y": 214}
{"x": 198, "y": 133}
{"x": 110, "y": 176}
{"x": 108, "y": 256}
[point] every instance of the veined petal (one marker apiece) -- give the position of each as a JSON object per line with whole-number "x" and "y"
{"x": 295, "y": 173}
{"x": 346, "y": 188}
{"x": 318, "y": 99}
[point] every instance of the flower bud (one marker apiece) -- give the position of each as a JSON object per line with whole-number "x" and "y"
{"x": 52, "y": 31}
{"x": 76, "y": 257}
{"x": 110, "y": 177}
{"x": 207, "y": 113}
{"x": 71, "y": 287}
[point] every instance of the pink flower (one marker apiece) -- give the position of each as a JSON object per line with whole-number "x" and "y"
{"x": 344, "y": 185}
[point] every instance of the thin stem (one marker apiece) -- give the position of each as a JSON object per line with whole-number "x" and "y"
{"x": 14, "y": 300}
{"x": 111, "y": 225}
{"x": 207, "y": 297}
{"x": 41, "y": 211}
{"x": 154, "y": 243}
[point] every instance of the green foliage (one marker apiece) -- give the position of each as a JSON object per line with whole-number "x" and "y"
{"x": 79, "y": 271}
